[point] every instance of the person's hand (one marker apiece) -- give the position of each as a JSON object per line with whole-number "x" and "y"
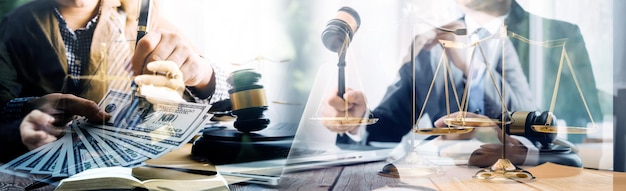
{"x": 36, "y": 129}
{"x": 353, "y": 104}
{"x": 170, "y": 46}
{"x": 424, "y": 41}
{"x": 488, "y": 154}
{"x": 431, "y": 38}
{"x": 63, "y": 107}
{"x": 166, "y": 82}
{"x": 465, "y": 136}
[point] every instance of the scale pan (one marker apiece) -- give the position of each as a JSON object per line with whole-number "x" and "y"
{"x": 568, "y": 130}
{"x": 345, "y": 121}
{"x": 471, "y": 122}
{"x": 444, "y": 130}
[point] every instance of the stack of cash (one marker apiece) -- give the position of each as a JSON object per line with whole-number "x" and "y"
{"x": 137, "y": 131}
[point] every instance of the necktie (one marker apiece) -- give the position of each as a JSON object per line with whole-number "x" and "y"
{"x": 476, "y": 95}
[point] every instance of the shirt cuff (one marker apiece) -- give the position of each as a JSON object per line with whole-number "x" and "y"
{"x": 532, "y": 152}
{"x": 220, "y": 92}
{"x": 221, "y": 86}
{"x": 358, "y": 137}
{"x": 14, "y": 109}
{"x": 361, "y": 130}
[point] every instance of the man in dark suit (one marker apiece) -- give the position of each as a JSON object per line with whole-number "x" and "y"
{"x": 395, "y": 109}
{"x": 394, "y": 112}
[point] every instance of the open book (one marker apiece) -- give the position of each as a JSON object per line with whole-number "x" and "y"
{"x": 124, "y": 178}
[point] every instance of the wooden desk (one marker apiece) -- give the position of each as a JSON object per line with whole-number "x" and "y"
{"x": 364, "y": 177}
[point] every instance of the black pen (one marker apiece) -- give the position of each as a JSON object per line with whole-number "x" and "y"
{"x": 192, "y": 171}
{"x": 142, "y": 30}
{"x": 142, "y": 23}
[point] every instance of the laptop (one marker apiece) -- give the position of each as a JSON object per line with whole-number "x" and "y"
{"x": 313, "y": 147}
{"x": 269, "y": 171}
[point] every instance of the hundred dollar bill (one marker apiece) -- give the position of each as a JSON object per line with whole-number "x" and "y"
{"x": 29, "y": 164}
{"x": 55, "y": 156}
{"x": 127, "y": 156}
{"x": 114, "y": 103}
{"x": 47, "y": 164}
{"x": 159, "y": 119}
{"x": 103, "y": 157}
{"x": 62, "y": 167}
{"x": 147, "y": 138}
{"x": 137, "y": 137}
{"x": 146, "y": 149}
{"x": 10, "y": 167}
{"x": 79, "y": 158}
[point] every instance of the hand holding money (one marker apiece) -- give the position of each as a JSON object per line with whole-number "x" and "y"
{"x": 63, "y": 107}
{"x": 50, "y": 114}
{"x": 85, "y": 143}
{"x": 36, "y": 129}
{"x": 166, "y": 82}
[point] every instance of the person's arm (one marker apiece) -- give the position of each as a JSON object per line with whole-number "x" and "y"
{"x": 198, "y": 75}
{"x": 351, "y": 105}
{"x": 205, "y": 80}
{"x": 395, "y": 109}
{"x": 11, "y": 141}
{"x": 14, "y": 109}
{"x": 217, "y": 90}
{"x": 10, "y": 46}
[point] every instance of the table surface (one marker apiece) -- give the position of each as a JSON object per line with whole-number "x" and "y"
{"x": 364, "y": 177}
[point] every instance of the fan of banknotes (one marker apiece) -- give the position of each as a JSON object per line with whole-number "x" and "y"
{"x": 137, "y": 131}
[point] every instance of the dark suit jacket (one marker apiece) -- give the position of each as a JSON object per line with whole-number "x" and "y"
{"x": 569, "y": 105}
{"x": 33, "y": 60}
{"x": 32, "y": 52}
{"x": 395, "y": 109}
{"x": 394, "y": 112}
{"x": 11, "y": 141}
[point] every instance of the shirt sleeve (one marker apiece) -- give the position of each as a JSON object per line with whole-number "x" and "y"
{"x": 13, "y": 109}
{"x": 11, "y": 141}
{"x": 361, "y": 130}
{"x": 221, "y": 87}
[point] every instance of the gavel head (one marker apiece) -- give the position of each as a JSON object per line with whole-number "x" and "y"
{"x": 248, "y": 100}
{"x": 522, "y": 122}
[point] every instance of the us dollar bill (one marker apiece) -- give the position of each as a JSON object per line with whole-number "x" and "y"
{"x": 158, "y": 118}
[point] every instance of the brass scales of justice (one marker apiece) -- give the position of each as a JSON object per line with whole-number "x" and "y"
{"x": 503, "y": 168}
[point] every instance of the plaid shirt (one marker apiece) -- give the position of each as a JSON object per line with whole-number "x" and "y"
{"x": 77, "y": 44}
{"x": 78, "y": 47}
